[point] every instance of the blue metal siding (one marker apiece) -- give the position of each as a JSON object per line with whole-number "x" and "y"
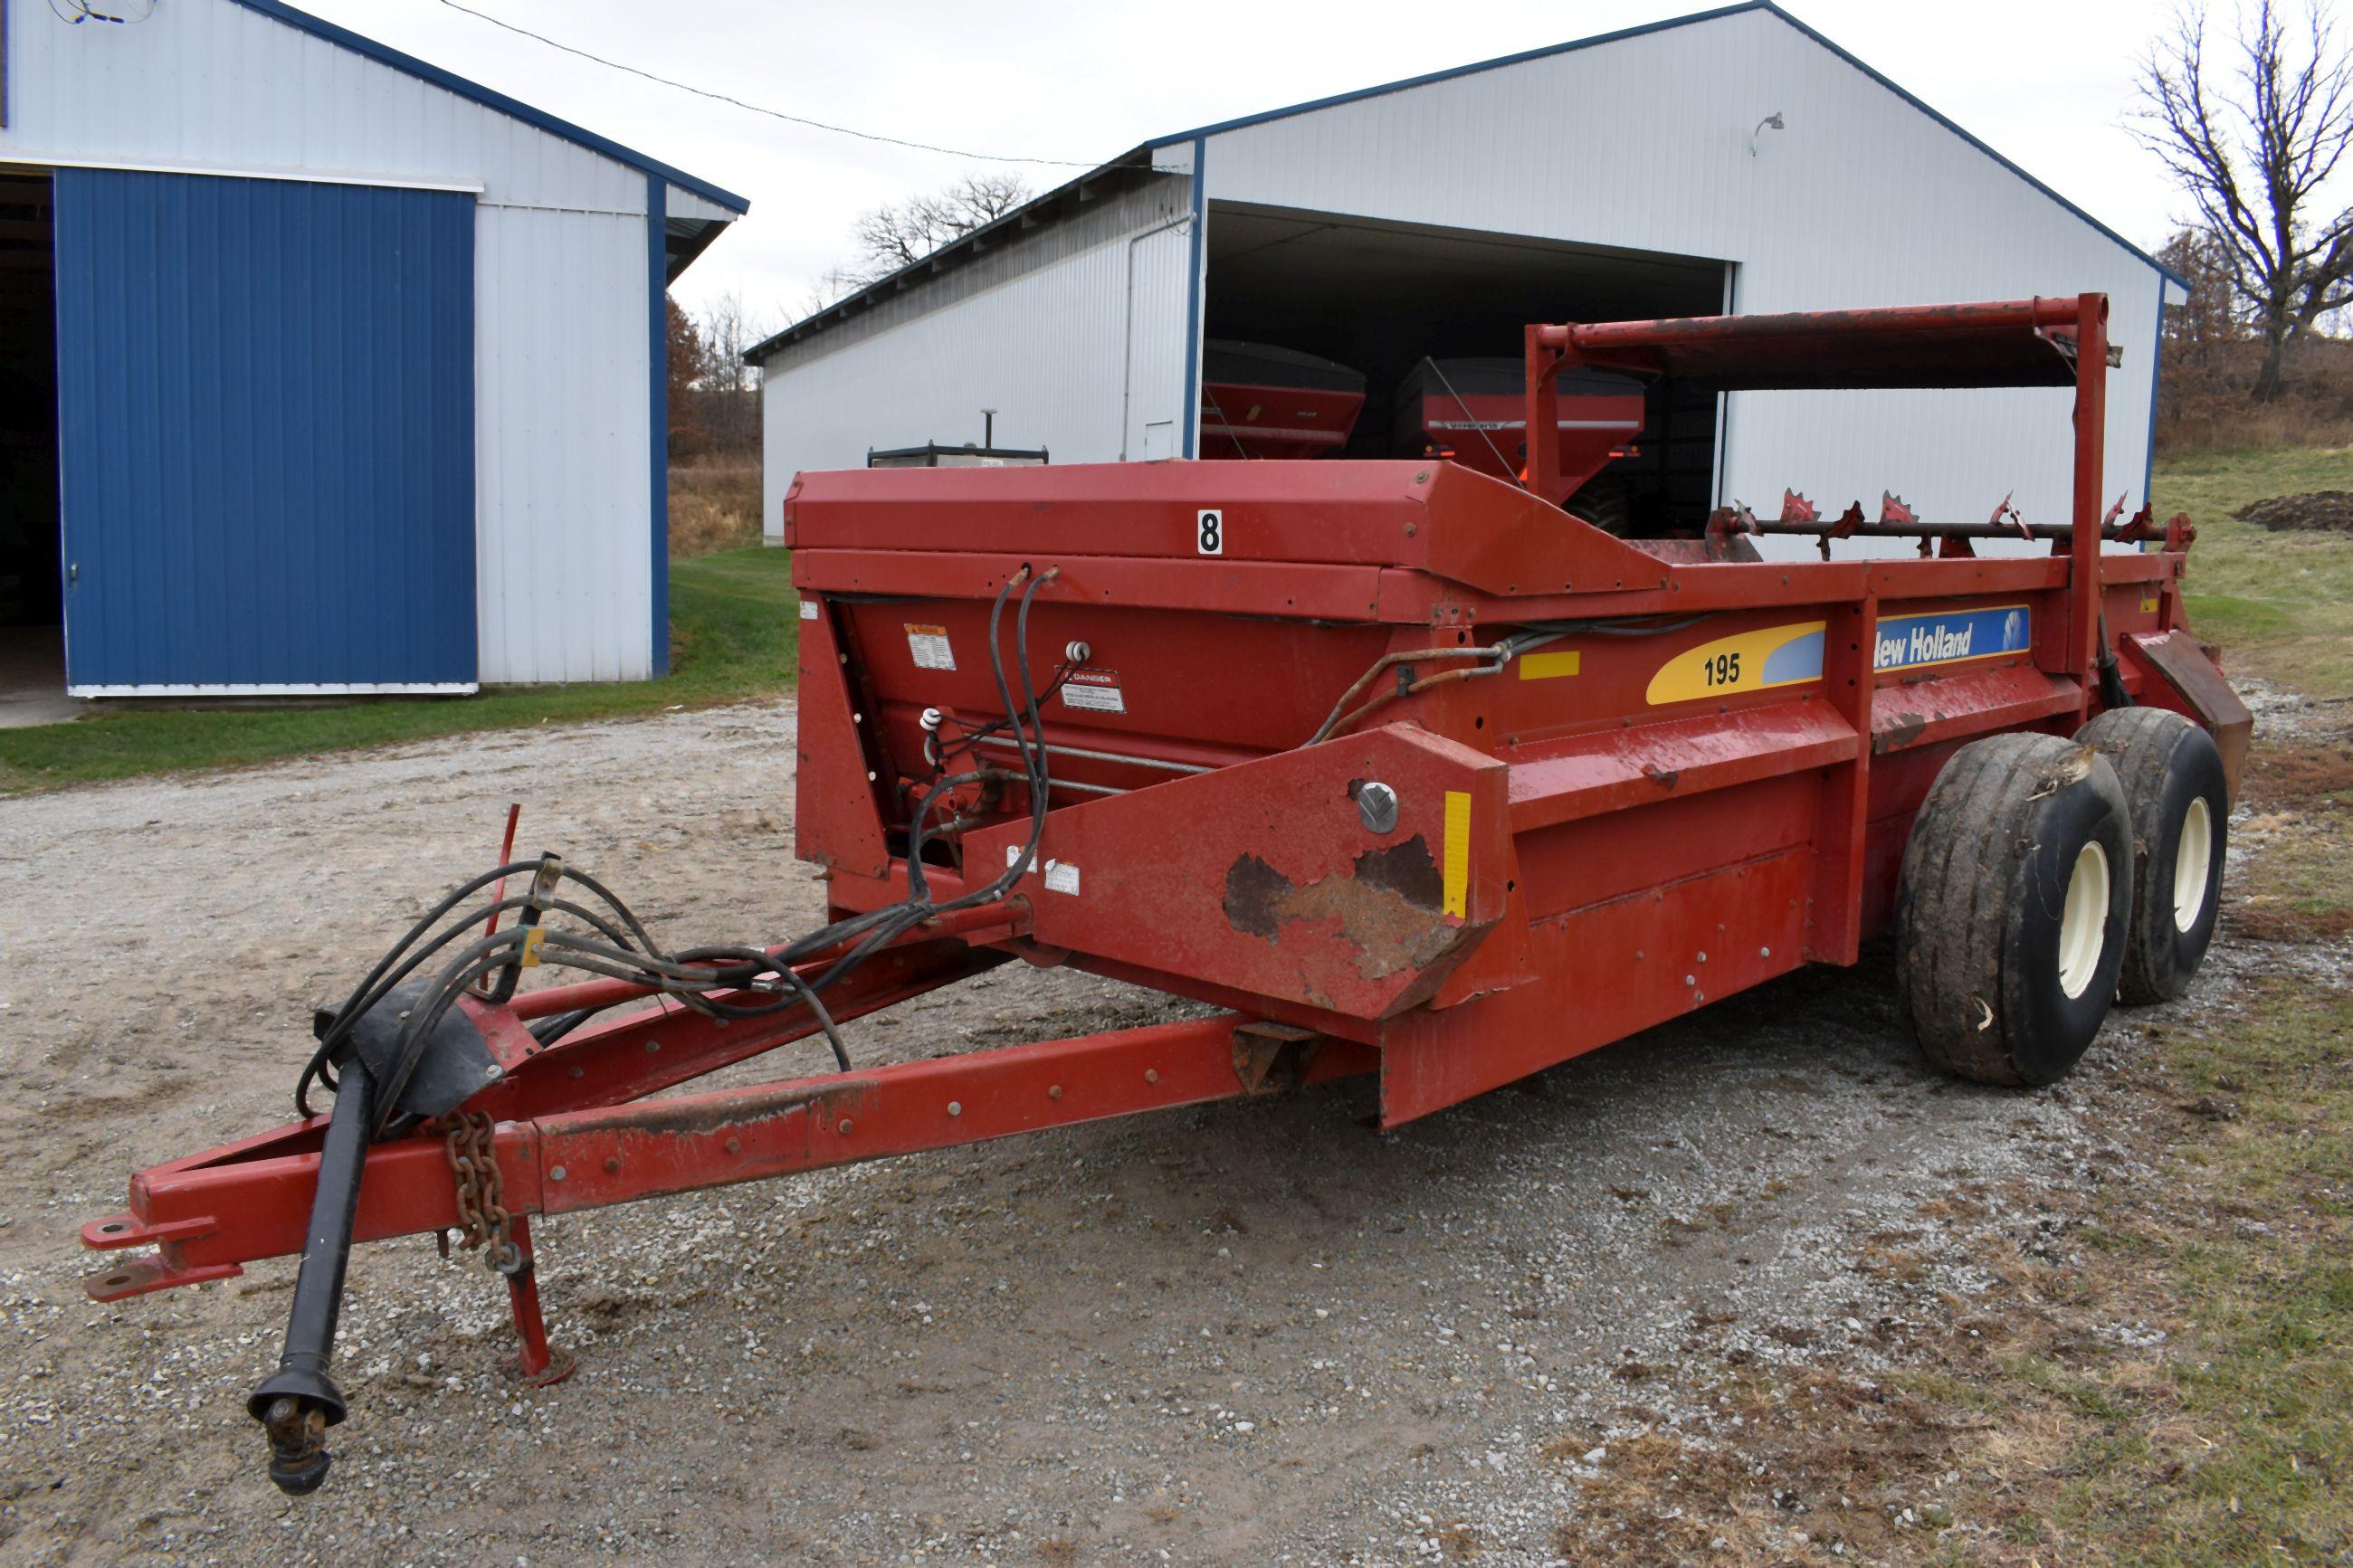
{"x": 658, "y": 417}
{"x": 266, "y": 432}
{"x": 1194, "y": 281}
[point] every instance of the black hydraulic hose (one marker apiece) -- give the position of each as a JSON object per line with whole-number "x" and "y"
{"x": 677, "y": 974}
{"x": 547, "y": 1031}
{"x": 381, "y": 984}
{"x": 2112, "y": 681}
{"x": 299, "y": 1402}
{"x": 463, "y": 971}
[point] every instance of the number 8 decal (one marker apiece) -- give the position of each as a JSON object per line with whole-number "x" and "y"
{"x": 1209, "y": 533}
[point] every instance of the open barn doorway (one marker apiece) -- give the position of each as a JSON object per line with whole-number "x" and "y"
{"x": 32, "y": 629}
{"x": 1427, "y": 324}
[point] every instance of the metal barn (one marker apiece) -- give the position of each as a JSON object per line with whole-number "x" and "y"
{"x": 332, "y": 372}
{"x": 1735, "y": 160}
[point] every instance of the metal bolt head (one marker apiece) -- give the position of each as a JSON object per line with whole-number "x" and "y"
{"x": 612, "y": 1164}
{"x": 1152, "y": 1075}
{"x": 1054, "y": 1092}
{"x": 845, "y": 1126}
{"x": 556, "y": 1174}
{"x": 1377, "y": 806}
{"x": 955, "y": 1108}
{"x": 491, "y": 1070}
{"x": 734, "y": 1145}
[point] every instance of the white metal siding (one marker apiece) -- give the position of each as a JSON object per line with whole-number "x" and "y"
{"x": 1862, "y": 200}
{"x": 682, "y": 202}
{"x": 561, "y": 446}
{"x": 1045, "y": 349}
{"x": 562, "y": 503}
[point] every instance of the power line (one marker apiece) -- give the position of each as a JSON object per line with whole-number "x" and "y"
{"x": 760, "y": 109}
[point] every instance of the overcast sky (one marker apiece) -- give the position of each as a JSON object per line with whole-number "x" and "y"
{"x": 2048, "y": 84}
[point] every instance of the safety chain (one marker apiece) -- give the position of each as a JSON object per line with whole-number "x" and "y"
{"x": 473, "y": 1158}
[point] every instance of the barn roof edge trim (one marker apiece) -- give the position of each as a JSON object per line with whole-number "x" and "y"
{"x": 490, "y": 98}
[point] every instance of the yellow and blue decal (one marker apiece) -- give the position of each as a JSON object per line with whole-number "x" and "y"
{"x": 1791, "y": 655}
{"x": 1952, "y": 636}
{"x": 1746, "y": 661}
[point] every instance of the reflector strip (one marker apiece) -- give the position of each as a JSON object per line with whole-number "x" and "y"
{"x": 1456, "y": 865}
{"x": 1545, "y": 666}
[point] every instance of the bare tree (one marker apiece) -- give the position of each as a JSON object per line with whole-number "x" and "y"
{"x": 689, "y": 358}
{"x": 727, "y": 388}
{"x": 2253, "y": 155}
{"x": 901, "y": 234}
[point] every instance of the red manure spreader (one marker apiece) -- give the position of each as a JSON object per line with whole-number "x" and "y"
{"x": 1405, "y": 770}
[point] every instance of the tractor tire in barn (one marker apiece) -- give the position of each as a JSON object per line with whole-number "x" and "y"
{"x": 1606, "y": 503}
{"x": 2180, "y": 804}
{"x": 2010, "y": 913}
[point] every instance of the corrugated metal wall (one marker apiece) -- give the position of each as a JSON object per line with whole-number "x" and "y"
{"x": 562, "y": 428}
{"x": 1044, "y": 344}
{"x": 1644, "y": 143}
{"x": 266, "y": 434}
{"x": 1864, "y": 199}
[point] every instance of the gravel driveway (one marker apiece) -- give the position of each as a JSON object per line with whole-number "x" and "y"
{"x": 1250, "y": 1332}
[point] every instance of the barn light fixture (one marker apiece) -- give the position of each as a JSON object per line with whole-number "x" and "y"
{"x": 1772, "y": 121}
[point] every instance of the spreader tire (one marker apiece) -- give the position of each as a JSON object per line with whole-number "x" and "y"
{"x": 2181, "y": 803}
{"x": 2012, "y": 907}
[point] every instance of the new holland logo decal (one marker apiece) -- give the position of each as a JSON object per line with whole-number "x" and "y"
{"x": 1791, "y": 655}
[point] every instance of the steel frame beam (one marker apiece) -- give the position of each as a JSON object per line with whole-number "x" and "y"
{"x": 212, "y": 1213}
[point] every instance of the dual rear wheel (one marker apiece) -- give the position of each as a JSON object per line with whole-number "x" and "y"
{"x": 2046, "y": 879}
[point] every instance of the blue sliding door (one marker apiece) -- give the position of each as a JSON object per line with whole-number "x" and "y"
{"x": 266, "y": 434}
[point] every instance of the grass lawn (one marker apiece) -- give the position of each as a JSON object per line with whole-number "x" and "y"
{"x": 733, "y": 635}
{"x": 2280, "y": 603}
{"x": 2236, "y": 1446}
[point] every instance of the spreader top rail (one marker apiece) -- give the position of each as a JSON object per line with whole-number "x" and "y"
{"x": 2014, "y": 343}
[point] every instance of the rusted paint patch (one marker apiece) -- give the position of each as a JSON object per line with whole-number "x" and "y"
{"x": 1254, "y": 891}
{"x": 700, "y": 1116}
{"x": 1407, "y": 869}
{"x": 1385, "y": 906}
{"x": 1900, "y": 734}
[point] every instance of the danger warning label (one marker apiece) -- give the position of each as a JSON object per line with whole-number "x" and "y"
{"x": 1096, "y": 691}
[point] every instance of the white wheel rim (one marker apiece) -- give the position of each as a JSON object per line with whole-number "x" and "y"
{"x": 2194, "y": 864}
{"x": 2083, "y": 921}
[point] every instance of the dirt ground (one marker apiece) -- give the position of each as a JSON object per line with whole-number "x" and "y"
{"x": 2320, "y": 511}
{"x": 1252, "y": 1333}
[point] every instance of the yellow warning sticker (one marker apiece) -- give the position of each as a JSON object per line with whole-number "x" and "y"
{"x": 1455, "y": 865}
{"x": 1548, "y": 666}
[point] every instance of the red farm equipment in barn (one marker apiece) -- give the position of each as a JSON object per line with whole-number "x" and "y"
{"x": 1407, "y": 771}
{"x": 1262, "y": 402}
{"x": 1474, "y": 412}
